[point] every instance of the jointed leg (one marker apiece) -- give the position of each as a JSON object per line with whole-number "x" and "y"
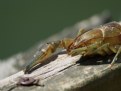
{"x": 105, "y": 49}
{"x": 87, "y": 50}
{"x": 92, "y": 49}
{"x": 116, "y": 57}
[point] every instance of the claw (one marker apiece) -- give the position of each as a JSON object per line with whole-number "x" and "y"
{"x": 46, "y": 52}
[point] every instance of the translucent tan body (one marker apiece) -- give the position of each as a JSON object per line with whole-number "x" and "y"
{"x": 102, "y": 40}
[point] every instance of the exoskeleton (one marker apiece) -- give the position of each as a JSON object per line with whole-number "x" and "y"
{"x": 102, "y": 40}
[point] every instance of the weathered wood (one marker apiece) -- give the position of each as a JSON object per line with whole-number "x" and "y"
{"x": 61, "y": 63}
{"x": 63, "y": 73}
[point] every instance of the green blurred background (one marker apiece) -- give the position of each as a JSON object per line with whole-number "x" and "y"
{"x": 24, "y": 22}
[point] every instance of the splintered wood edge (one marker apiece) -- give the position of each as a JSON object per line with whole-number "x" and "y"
{"x": 62, "y": 62}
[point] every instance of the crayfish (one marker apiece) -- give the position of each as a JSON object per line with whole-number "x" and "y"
{"x": 103, "y": 40}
